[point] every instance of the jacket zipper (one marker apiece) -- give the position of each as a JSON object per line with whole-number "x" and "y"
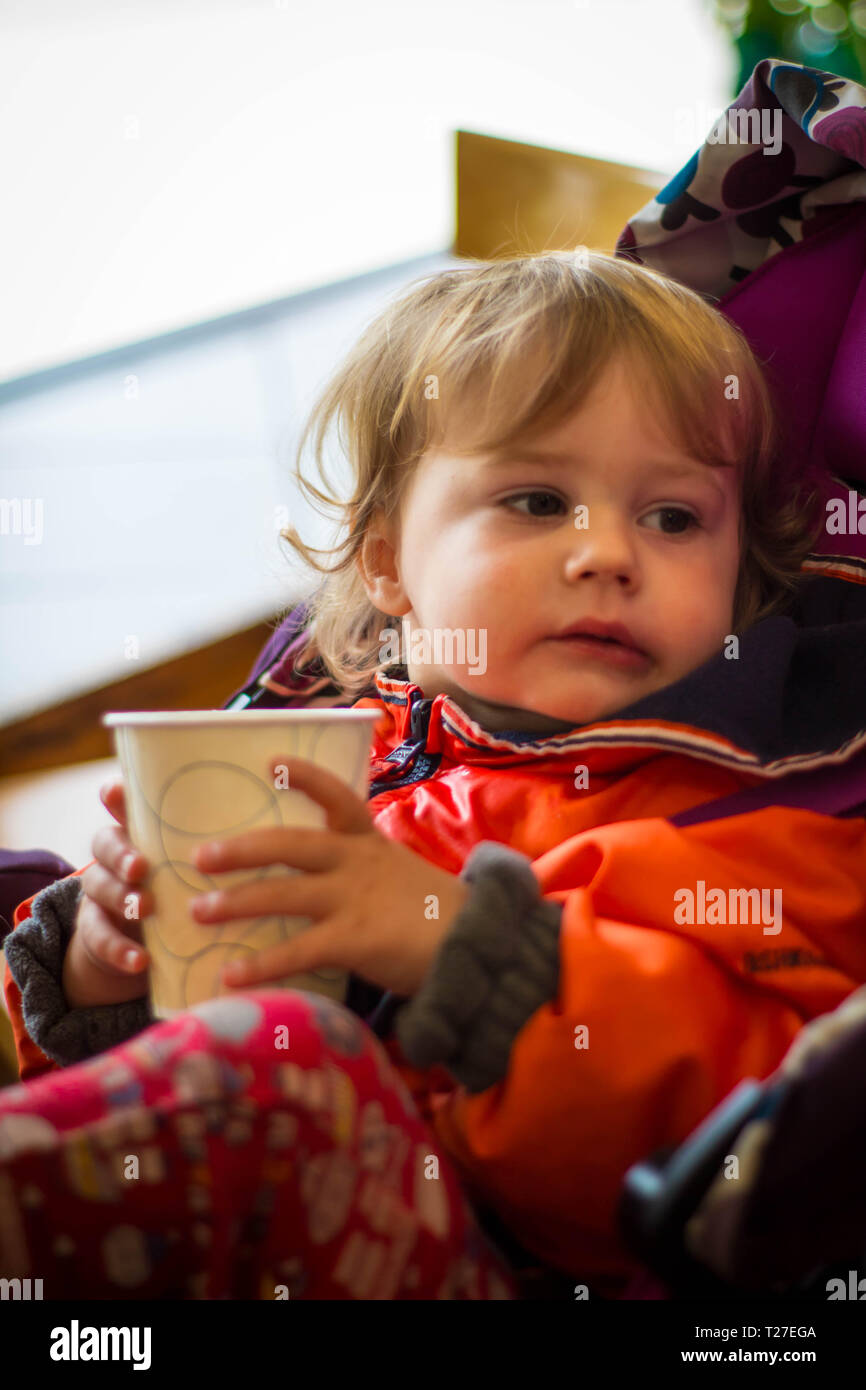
{"x": 424, "y": 766}
{"x": 413, "y": 765}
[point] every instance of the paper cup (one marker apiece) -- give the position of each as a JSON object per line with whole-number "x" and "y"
{"x": 197, "y": 775}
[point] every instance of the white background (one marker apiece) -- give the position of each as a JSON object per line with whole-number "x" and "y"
{"x": 168, "y": 161}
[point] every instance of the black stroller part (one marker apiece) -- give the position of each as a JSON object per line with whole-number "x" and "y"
{"x": 661, "y": 1193}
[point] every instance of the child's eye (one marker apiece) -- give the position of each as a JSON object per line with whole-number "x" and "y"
{"x": 683, "y": 521}
{"x": 690, "y": 519}
{"x": 522, "y": 496}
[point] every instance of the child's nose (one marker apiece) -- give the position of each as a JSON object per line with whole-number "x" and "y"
{"x": 606, "y": 547}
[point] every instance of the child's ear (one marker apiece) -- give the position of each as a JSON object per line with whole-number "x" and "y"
{"x": 378, "y": 565}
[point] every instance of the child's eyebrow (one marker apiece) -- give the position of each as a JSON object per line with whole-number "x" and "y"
{"x": 547, "y": 458}
{"x": 540, "y": 456}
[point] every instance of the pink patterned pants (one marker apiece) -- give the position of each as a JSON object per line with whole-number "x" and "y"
{"x": 256, "y": 1147}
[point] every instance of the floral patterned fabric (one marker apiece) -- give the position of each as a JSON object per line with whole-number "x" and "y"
{"x": 255, "y": 1147}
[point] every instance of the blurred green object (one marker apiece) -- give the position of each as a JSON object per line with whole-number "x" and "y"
{"x": 825, "y": 34}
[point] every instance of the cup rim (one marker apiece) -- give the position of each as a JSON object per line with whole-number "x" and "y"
{"x": 118, "y": 718}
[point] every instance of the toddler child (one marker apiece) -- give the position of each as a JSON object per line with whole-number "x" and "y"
{"x": 570, "y": 583}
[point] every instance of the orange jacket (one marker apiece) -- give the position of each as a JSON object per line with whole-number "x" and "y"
{"x": 676, "y": 1013}
{"x": 656, "y": 1018}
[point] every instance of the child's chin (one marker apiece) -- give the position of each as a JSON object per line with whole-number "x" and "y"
{"x": 569, "y": 713}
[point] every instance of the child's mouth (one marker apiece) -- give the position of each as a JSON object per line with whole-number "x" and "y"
{"x": 607, "y": 650}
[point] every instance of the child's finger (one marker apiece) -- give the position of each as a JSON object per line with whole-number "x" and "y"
{"x": 312, "y": 949}
{"x": 105, "y": 946}
{"x": 344, "y": 810}
{"x": 113, "y": 798}
{"x": 114, "y": 851}
{"x": 127, "y": 906}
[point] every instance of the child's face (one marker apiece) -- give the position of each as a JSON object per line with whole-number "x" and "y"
{"x": 466, "y": 557}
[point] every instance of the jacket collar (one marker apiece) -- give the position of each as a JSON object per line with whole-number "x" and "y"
{"x": 792, "y": 700}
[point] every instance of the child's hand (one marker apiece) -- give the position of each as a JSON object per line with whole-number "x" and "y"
{"x": 108, "y": 922}
{"x": 371, "y": 899}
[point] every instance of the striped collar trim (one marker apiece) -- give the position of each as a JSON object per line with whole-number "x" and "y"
{"x": 659, "y": 734}
{"x": 849, "y": 567}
